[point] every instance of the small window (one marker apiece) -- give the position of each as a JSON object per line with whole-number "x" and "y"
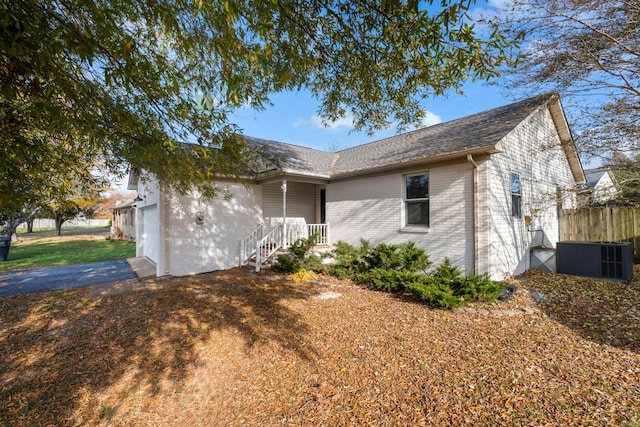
{"x": 417, "y": 200}
{"x": 516, "y": 196}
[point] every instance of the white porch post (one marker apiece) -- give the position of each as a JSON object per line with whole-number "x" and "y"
{"x": 327, "y": 237}
{"x": 284, "y": 212}
{"x": 137, "y": 219}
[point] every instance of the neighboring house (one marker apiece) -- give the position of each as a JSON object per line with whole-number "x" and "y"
{"x": 600, "y": 187}
{"x": 481, "y": 191}
{"x": 123, "y": 223}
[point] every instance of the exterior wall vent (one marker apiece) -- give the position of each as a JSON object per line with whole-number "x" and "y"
{"x": 606, "y": 260}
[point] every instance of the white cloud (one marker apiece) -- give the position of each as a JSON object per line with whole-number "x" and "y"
{"x": 493, "y": 10}
{"x": 316, "y": 122}
{"x": 346, "y": 123}
{"x": 431, "y": 119}
{"x": 500, "y": 4}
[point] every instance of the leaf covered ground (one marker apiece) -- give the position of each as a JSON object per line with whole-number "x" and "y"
{"x": 231, "y": 349}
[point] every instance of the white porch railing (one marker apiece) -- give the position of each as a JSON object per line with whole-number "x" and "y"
{"x": 304, "y": 231}
{"x": 268, "y": 245}
{"x": 248, "y": 244}
{"x": 263, "y": 246}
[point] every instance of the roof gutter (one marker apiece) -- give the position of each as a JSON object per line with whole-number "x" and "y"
{"x": 457, "y": 155}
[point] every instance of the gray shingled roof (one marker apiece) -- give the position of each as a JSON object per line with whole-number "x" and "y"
{"x": 593, "y": 176}
{"x": 295, "y": 159}
{"x": 482, "y": 131}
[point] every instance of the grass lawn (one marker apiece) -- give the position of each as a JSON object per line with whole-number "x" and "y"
{"x": 231, "y": 349}
{"x": 79, "y": 245}
{"x": 40, "y": 233}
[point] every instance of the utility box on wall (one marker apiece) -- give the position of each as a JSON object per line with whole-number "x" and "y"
{"x": 606, "y": 260}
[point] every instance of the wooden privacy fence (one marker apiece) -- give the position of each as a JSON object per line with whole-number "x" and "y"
{"x": 602, "y": 225}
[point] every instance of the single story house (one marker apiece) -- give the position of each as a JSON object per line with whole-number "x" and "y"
{"x": 481, "y": 190}
{"x": 600, "y": 187}
{"x": 123, "y": 220}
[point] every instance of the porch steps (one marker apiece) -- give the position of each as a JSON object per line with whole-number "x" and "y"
{"x": 266, "y": 263}
{"x": 268, "y": 246}
{"x": 271, "y": 260}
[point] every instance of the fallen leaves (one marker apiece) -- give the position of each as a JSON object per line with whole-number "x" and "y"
{"x": 602, "y": 310}
{"x": 227, "y": 348}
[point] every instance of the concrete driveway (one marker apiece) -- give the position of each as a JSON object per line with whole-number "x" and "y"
{"x": 63, "y": 277}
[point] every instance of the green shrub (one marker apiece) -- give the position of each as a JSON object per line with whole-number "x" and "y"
{"x": 386, "y": 280}
{"x": 414, "y": 258}
{"x": 469, "y": 288}
{"x": 301, "y": 247}
{"x": 393, "y": 267}
{"x": 434, "y": 295}
{"x": 448, "y": 274}
{"x": 404, "y": 256}
{"x": 384, "y": 256}
{"x": 340, "y": 272}
{"x": 353, "y": 260}
{"x": 349, "y": 259}
{"x": 298, "y": 257}
{"x": 287, "y": 264}
{"x": 314, "y": 263}
{"x": 478, "y": 288}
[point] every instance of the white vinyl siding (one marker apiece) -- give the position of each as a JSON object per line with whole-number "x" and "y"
{"x": 301, "y": 202}
{"x": 604, "y": 190}
{"x": 533, "y": 150}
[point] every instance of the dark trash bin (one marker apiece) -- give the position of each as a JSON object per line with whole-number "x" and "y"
{"x": 4, "y": 248}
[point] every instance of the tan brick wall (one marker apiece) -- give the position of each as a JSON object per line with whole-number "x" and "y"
{"x": 373, "y": 208}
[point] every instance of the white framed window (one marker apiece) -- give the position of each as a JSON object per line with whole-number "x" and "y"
{"x": 516, "y": 196}
{"x": 416, "y": 200}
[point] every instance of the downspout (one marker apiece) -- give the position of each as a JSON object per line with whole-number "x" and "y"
{"x": 476, "y": 214}
{"x": 137, "y": 224}
{"x": 284, "y": 213}
{"x": 162, "y": 263}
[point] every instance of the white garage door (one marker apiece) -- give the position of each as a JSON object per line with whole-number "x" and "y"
{"x": 150, "y": 233}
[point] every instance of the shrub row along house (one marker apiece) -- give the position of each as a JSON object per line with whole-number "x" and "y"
{"x": 481, "y": 191}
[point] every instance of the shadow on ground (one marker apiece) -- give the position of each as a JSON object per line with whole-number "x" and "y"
{"x": 603, "y": 311}
{"x": 58, "y": 347}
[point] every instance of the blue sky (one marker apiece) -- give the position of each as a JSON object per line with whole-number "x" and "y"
{"x": 292, "y": 118}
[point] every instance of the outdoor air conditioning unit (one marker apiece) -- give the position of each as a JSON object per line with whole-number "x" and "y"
{"x": 607, "y": 260}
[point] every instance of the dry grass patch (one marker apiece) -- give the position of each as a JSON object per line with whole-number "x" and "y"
{"x": 235, "y": 350}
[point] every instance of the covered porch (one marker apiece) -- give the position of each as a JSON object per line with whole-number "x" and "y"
{"x": 292, "y": 209}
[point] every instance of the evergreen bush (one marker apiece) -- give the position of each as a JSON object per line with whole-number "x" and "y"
{"x": 301, "y": 247}
{"x": 299, "y": 257}
{"x": 349, "y": 259}
{"x": 386, "y": 280}
{"x": 448, "y": 274}
{"x": 434, "y": 294}
{"x": 287, "y": 264}
{"x": 400, "y": 267}
{"x": 314, "y": 263}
